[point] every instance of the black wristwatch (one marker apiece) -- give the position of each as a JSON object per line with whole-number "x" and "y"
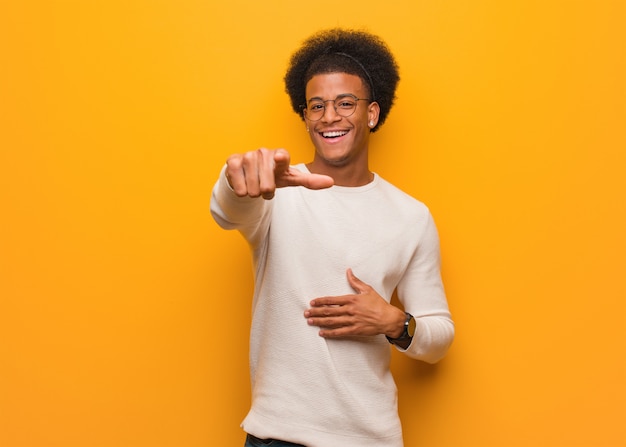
{"x": 407, "y": 334}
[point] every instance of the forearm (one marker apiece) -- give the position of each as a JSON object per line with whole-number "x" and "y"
{"x": 422, "y": 293}
{"x": 245, "y": 214}
{"x": 402, "y": 328}
{"x": 432, "y": 339}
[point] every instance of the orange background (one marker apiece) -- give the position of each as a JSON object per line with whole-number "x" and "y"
{"x": 124, "y": 309}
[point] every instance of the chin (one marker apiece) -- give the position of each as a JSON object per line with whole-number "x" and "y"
{"x": 334, "y": 156}
{"x": 335, "y": 161}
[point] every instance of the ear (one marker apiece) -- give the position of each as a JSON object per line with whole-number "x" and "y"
{"x": 306, "y": 122}
{"x": 373, "y": 112}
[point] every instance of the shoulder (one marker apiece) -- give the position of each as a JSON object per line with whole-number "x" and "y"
{"x": 401, "y": 199}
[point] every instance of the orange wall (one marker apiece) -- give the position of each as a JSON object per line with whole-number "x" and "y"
{"x": 124, "y": 308}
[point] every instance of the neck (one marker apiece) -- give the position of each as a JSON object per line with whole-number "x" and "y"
{"x": 347, "y": 175}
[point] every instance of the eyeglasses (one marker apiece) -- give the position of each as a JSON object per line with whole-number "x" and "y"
{"x": 344, "y": 105}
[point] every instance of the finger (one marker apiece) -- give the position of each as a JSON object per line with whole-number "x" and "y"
{"x": 267, "y": 179}
{"x": 330, "y": 301}
{"x": 251, "y": 162}
{"x": 328, "y": 322}
{"x": 235, "y": 175}
{"x": 288, "y": 176}
{"x": 358, "y": 285}
{"x": 281, "y": 162}
{"x": 293, "y": 177}
{"x": 326, "y": 312}
{"x": 336, "y": 332}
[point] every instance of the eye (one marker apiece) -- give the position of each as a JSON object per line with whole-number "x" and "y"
{"x": 316, "y": 106}
{"x": 346, "y": 104}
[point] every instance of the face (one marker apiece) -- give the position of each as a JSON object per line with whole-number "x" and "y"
{"x": 339, "y": 140}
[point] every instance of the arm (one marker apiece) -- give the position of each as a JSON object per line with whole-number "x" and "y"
{"x": 362, "y": 313}
{"x": 258, "y": 174}
{"x": 422, "y": 294}
{"x": 367, "y": 313}
{"x": 251, "y": 175}
{"x": 248, "y": 215}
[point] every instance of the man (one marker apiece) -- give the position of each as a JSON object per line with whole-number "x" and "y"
{"x": 331, "y": 241}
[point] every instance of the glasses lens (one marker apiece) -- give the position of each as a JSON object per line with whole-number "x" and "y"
{"x": 315, "y": 110}
{"x": 344, "y": 106}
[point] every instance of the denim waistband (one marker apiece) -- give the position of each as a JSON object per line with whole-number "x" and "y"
{"x": 253, "y": 441}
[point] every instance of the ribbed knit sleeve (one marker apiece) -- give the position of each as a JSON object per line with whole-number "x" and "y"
{"x": 250, "y": 216}
{"x": 422, "y": 294}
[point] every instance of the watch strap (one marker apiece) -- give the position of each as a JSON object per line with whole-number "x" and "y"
{"x": 405, "y": 335}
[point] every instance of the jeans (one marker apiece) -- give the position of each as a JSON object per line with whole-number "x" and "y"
{"x": 253, "y": 441}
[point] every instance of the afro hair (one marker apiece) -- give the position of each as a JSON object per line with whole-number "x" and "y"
{"x": 353, "y": 52}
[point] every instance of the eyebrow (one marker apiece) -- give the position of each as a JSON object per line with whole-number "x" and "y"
{"x": 341, "y": 95}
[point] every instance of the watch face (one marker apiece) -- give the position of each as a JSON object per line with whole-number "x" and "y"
{"x": 411, "y": 327}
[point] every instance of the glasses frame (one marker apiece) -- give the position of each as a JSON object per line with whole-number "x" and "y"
{"x": 304, "y": 107}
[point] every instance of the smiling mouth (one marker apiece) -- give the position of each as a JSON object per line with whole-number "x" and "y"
{"x": 334, "y": 134}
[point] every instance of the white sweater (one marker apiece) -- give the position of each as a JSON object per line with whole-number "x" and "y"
{"x": 333, "y": 392}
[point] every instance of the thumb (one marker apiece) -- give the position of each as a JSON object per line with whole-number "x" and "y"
{"x": 293, "y": 177}
{"x": 358, "y": 285}
{"x": 288, "y": 176}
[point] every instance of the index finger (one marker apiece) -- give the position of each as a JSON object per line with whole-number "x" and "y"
{"x": 330, "y": 301}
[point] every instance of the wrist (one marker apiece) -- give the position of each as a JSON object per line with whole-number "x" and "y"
{"x": 396, "y": 327}
{"x": 408, "y": 331}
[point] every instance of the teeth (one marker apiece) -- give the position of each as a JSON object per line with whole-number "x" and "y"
{"x": 334, "y": 134}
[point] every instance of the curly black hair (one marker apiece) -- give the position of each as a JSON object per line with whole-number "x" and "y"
{"x": 339, "y": 50}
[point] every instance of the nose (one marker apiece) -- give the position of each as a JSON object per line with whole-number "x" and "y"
{"x": 330, "y": 112}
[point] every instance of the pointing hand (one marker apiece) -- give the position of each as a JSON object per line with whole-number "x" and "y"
{"x": 259, "y": 173}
